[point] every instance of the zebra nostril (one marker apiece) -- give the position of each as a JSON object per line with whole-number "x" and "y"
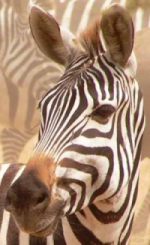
{"x": 43, "y": 197}
{"x": 41, "y": 200}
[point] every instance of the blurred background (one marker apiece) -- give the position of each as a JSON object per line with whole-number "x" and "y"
{"x": 26, "y": 75}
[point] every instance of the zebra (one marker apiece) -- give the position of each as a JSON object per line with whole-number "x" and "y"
{"x": 20, "y": 92}
{"x": 141, "y": 15}
{"x": 81, "y": 181}
{"x": 21, "y": 85}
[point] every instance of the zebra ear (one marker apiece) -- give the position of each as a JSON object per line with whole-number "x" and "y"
{"x": 118, "y": 33}
{"x": 46, "y": 32}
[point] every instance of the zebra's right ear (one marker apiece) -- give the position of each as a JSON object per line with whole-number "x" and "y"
{"x": 118, "y": 32}
{"x": 46, "y": 32}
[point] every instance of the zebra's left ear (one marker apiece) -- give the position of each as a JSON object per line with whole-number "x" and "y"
{"x": 118, "y": 33}
{"x": 47, "y": 34}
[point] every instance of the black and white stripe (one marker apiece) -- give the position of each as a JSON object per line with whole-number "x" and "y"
{"x": 98, "y": 160}
{"x": 23, "y": 80}
{"x": 22, "y": 85}
{"x": 89, "y": 153}
{"x": 110, "y": 197}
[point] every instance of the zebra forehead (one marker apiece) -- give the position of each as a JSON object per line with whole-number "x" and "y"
{"x": 43, "y": 167}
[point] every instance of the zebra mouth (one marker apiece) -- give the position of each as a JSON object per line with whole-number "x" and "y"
{"x": 46, "y": 231}
{"x": 52, "y": 226}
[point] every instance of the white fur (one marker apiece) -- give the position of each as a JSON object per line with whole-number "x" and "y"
{"x": 131, "y": 67}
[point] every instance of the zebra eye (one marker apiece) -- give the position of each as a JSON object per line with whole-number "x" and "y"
{"x": 102, "y": 113}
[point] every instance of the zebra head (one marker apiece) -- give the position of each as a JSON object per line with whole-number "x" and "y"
{"x": 91, "y": 123}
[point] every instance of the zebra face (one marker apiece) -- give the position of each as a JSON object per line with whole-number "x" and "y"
{"x": 89, "y": 123}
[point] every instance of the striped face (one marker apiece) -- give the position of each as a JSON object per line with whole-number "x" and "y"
{"x": 91, "y": 125}
{"x": 88, "y": 128}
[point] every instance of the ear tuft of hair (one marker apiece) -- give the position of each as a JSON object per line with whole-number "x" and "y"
{"x": 117, "y": 29}
{"x": 90, "y": 39}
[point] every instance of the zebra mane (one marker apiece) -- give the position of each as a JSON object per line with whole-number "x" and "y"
{"x": 90, "y": 39}
{"x": 116, "y": 27}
